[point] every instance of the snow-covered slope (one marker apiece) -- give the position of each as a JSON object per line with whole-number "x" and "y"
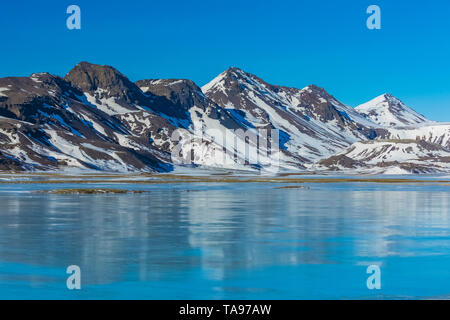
{"x": 313, "y": 123}
{"x": 388, "y": 111}
{"x": 390, "y": 156}
{"x": 434, "y": 132}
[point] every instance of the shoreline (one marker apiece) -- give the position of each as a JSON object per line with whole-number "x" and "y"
{"x": 148, "y": 179}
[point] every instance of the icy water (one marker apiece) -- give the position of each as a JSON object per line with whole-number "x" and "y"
{"x": 226, "y": 241}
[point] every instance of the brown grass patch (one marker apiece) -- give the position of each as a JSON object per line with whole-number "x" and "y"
{"x": 92, "y": 191}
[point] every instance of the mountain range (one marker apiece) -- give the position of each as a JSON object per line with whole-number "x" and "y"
{"x": 95, "y": 118}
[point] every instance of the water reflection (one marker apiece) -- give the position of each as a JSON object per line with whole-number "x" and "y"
{"x": 220, "y": 234}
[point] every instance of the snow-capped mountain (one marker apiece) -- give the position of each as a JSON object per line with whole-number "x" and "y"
{"x": 96, "y": 118}
{"x": 313, "y": 123}
{"x": 186, "y": 107}
{"x": 47, "y": 123}
{"x": 388, "y": 111}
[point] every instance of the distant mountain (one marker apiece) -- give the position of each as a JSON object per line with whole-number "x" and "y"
{"x": 390, "y": 156}
{"x": 388, "y": 111}
{"x": 96, "y": 118}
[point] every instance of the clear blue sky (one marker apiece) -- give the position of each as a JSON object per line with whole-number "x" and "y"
{"x": 293, "y": 43}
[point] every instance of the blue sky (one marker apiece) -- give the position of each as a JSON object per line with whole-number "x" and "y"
{"x": 293, "y": 43}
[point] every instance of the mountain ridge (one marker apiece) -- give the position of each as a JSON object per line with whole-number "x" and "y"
{"x": 95, "y": 118}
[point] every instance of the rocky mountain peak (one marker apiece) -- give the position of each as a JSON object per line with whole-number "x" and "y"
{"x": 320, "y": 105}
{"x": 181, "y": 92}
{"x": 173, "y": 97}
{"x": 108, "y": 81}
{"x": 318, "y": 93}
{"x": 234, "y": 80}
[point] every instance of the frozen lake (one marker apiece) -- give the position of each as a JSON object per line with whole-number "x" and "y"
{"x": 213, "y": 240}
